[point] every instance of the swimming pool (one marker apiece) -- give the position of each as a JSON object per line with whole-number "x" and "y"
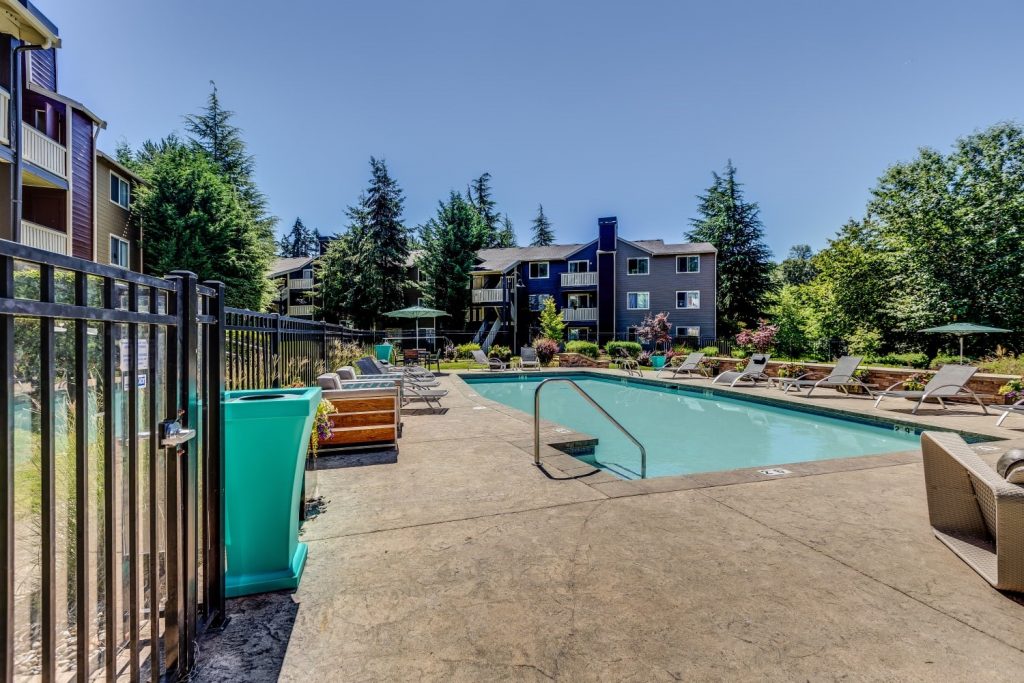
{"x": 689, "y": 430}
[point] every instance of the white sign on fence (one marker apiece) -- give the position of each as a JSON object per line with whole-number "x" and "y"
{"x": 126, "y": 356}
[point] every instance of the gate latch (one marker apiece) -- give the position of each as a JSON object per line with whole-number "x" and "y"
{"x": 173, "y": 434}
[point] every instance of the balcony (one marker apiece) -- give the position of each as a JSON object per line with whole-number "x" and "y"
{"x": 5, "y": 117}
{"x": 302, "y": 283}
{"x": 300, "y": 310}
{"x": 41, "y": 237}
{"x": 579, "y": 314}
{"x": 579, "y": 279}
{"x": 488, "y": 296}
{"x": 43, "y": 151}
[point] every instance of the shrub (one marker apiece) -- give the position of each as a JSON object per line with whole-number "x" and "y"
{"x": 644, "y": 358}
{"x": 792, "y": 370}
{"x": 865, "y": 342}
{"x": 915, "y": 382}
{"x": 761, "y": 340}
{"x": 582, "y": 347}
{"x": 739, "y": 353}
{"x": 552, "y": 326}
{"x": 466, "y": 350}
{"x": 1003, "y": 363}
{"x": 655, "y": 329}
{"x": 502, "y": 353}
{"x": 631, "y": 348}
{"x": 917, "y": 361}
{"x": 545, "y": 348}
{"x": 710, "y": 350}
{"x": 943, "y": 359}
{"x": 1013, "y": 390}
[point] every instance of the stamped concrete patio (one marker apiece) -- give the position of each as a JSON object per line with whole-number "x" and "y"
{"x": 459, "y": 560}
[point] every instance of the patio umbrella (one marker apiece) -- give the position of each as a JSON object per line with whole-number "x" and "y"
{"x": 416, "y": 312}
{"x": 962, "y": 329}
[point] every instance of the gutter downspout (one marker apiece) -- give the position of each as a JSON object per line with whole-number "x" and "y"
{"x": 15, "y": 135}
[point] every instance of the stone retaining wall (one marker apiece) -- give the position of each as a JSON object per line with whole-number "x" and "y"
{"x": 578, "y": 360}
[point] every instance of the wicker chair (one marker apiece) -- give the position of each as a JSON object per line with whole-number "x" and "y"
{"x": 974, "y": 511}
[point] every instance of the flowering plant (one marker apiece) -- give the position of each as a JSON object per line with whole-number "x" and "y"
{"x": 915, "y": 382}
{"x": 761, "y": 340}
{"x": 655, "y": 329}
{"x": 321, "y": 425}
{"x": 792, "y": 370}
{"x": 545, "y": 348}
{"x": 644, "y": 358}
{"x": 1013, "y": 390}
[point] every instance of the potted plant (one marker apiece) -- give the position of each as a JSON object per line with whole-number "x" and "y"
{"x": 321, "y": 431}
{"x": 792, "y": 370}
{"x": 1012, "y": 391}
{"x": 710, "y": 366}
{"x": 656, "y": 330}
{"x": 862, "y": 375}
{"x": 915, "y": 382}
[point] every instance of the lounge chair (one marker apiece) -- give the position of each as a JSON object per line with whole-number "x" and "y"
{"x": 842, "y": 377}
{"x": 753, "y": 372}
{"x": 630, "y": 365}
{"x": 528, "y": 358}
{"x": 949, "y": 381}
{"x": 415, "y": 371}
{"x": 412, "y": 390}
{"x": 691, "y": 364}
{"x": 370, "y": 369}
{"x": 974, "y": 511}
{"x": 1017, "y": 408}
{"x": 492, "y": 363}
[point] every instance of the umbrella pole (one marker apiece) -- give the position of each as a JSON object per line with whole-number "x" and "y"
{"x": 417, "y": 333}
{"x": 961, "y": 349}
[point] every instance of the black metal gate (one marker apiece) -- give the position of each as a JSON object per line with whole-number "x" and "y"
{"x": 111, "y": 542}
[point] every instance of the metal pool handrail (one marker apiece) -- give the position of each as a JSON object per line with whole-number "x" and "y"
{"x": 591, "y": 401}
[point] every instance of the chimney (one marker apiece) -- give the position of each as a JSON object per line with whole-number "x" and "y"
{"x": 607, "y": 232}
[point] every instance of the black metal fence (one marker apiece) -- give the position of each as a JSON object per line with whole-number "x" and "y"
{"x": 111, "y": 544}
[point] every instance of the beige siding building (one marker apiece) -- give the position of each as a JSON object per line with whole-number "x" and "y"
{"x": 116, "y": 241}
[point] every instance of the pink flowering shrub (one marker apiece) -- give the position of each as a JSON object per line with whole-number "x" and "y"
{"x": 545, "y": 348}
{"x": 760, "y": 340}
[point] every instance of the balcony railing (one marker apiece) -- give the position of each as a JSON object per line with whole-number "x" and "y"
{"x": 302, "y": 283}
{"x": 300, "y": 310}
{"x": 579, "y": 279}
{"x": 5, "y": 117}
{"x": 487, "y": 296}
{"x": 43, "y": 151}
{"x": 41, "y": 237}
{"x": 578, "y": 314}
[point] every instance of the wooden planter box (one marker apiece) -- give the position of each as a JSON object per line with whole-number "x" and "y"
{"x": 364, "y": 416}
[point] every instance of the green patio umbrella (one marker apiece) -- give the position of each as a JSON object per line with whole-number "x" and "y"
{"x": 416, "y": 312}
{"x": 962, "y": 329}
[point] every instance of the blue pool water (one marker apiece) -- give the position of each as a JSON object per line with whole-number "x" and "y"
{"x": 686, "y": 432}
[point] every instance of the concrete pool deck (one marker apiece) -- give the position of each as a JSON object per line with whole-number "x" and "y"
{"x": 460, "y": 560}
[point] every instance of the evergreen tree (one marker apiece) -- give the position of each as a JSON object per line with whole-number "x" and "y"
{"x": 733, "y": 225}
{"x": 195, "y": 221}
{"x": 552, "y": 325}
{"x": 450, "y": 242}
{"x": 543, "y": 235}
{"x": 299, "y": 241}
{"x": 479, "y": 195}
{"x": 507, "y": 235}
{"x": 798, "y": 268}
{"x": 380, "y": 247}
{"x": 336, "y": 277}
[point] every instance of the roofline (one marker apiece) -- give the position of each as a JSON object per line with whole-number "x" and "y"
{"x": 18, "y": 13}
{"x": 713, "y": 249}
{"x": 119, "y": 167}
{"x": 582, "y": 247}
{"x": 635, "y": 245}
{"x": 68, "y": 101}
{"x": 279, "y": 273}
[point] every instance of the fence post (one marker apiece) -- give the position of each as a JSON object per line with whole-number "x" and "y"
{"x": 7, "y": 473}
{"x": 213, "y": 466}
{"x": 275, "y": 352}
{"x": 323, "y": 340}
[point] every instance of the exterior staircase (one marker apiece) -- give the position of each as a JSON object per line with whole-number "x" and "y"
{"x": 495, "y": 328}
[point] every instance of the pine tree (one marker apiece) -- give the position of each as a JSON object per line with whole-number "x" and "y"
{"x": 450, "y": 242}
{"x": 336, "y": 275}
{"x": 195, "y": 221}
{"x": 552, "y": 325}
{"x": 299, "y": 241}
{"x": 543, "y": 235}
{"x": 507, "y": 235}
{"x": 734, "y": 227}
{"x": 380, "y": 247}
{"x": 479, "y": 195}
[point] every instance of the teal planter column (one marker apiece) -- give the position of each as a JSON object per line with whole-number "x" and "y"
{"x": 266, "y": 434}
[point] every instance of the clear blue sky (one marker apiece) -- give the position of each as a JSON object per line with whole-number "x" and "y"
{"x": 591, "y": 108}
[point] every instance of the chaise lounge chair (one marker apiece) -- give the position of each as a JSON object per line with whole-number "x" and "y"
{"x": 492, "y": 363}
{"x": 412, "y": 389}
{"x": 371, "y": 367}
{"x": 528, "y": 358}
{"x": 753, "y": 373}
{"x": 974, "y": 511}
{"x": 949, "y": 381}
{"x": 629, "y": 365}
{"x": 841, "y": 377}
{"x": 690, "y": 365}
{"x": 1017, "y": 408}
{"x": 416, "y": 371}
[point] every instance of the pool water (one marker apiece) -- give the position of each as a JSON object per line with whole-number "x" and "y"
{"x": 689, "y": 431}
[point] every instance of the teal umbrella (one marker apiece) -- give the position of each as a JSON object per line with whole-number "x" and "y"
{"x": 416, "y": 312}
{"x": 962, "y": 329}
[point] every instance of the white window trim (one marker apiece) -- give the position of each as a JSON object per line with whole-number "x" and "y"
{"x": 570, "y": 270}
{"x": 116, "y": 202}
{"x": 638, "y": 258}
{"x": 638, "y": 308}
{"x": 687, "y": 272}
{"x": 684, "y": 328}
{"x": 687, "y": 291}
{"x": 547, "y": 270}
{"x": 127, "y": 251}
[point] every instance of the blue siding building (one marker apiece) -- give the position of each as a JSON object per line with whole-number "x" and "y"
{"x": 603, "y": 288}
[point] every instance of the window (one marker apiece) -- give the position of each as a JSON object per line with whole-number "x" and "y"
{"x": 631, "y": 334}
{"x": 687, "y": 331}
{"x": 579, "y": 266}
{"x": 578, "y": 333}
{"x": 537, "y": 301}
{"x": 118, "y": 251}
{"x": 579, "y": 301}
{"x": 421, "y": 275}
{"x": 120, "y": 191}
{"x": 307, "y": 273}
{"x": 538, "y": 270}
{"x": 638, "y": 266}
{"x": 688, "y": 299}
{"x": 638, "y": 301}
{"x": 687, "y": 264}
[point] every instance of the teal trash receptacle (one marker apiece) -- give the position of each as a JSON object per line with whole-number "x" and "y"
{"x": 266, "y": 434}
